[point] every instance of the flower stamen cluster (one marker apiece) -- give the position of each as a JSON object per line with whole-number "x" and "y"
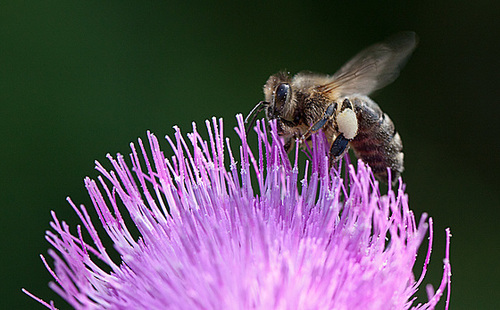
{"x": 244, "y": 234}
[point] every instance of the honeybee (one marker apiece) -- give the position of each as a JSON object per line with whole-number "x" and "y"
{"x": 339, "y": 105}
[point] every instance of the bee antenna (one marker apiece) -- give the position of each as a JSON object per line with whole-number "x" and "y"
{"x": 255, "y": 112}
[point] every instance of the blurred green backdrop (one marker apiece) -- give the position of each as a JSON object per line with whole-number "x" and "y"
{"x": 79, "y": 79}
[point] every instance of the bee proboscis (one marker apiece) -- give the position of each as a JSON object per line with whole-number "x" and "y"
{"x": 339, "y": 105}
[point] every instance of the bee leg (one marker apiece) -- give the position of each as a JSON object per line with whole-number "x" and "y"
{"x": 319, "y": 124}
{"x": 289, "y": 142}
{"x": 339, "y": 147}
{"x": 347, "y": 120}
{"x": 346, "y": 104}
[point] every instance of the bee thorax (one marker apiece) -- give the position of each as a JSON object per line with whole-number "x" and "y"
{"x": 347, "y": 123}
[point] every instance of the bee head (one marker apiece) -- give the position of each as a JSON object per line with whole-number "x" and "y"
{"x": 278, "y": 104}
{"x": 278, "y": 91}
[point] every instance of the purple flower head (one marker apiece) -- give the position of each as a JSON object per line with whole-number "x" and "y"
{"x": 211, "y": 239}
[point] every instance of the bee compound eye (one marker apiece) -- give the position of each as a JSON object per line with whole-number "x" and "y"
{"x": 282, "y": 94}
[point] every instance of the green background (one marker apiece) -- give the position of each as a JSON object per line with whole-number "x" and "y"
{"x": 79, "y": 79}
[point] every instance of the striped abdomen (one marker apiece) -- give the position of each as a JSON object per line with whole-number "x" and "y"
{"x": 377, "y": 142}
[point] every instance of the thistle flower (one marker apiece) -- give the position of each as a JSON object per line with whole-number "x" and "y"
{"x": 210, "y": 240}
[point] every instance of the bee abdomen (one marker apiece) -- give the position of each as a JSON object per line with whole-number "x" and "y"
{"x": 377, "y": 142}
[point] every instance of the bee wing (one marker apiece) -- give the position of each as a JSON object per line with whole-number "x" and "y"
{"x": 374, "y": 67}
